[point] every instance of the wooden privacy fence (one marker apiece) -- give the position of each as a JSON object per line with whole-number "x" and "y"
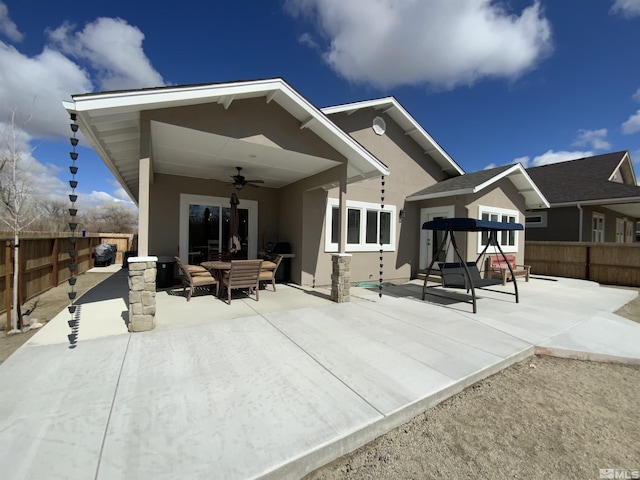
{"x": 608, "y": 263}
{"x": 44, "y": 260}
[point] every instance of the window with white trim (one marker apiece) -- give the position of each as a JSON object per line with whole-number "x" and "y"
{"x": 508, "y": 240}
{"x": 536, "y": 220}
{"x": 625, "y": 230}
{"x": 619, "y": 230}
{"x": 630, "y": 231}
{"x": 597, "y": 227}
{"x": 367, "y": 223}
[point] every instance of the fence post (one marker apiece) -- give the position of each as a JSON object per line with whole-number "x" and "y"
{"x": 54, "y": 263}
{"x": 7, "y": 290}
{"x": 588, "y": 263}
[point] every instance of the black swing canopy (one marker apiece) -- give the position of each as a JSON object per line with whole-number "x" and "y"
{"x": 464, "y": 274}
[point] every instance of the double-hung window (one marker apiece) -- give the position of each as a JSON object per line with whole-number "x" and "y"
{"x": 597, "y": 227}
{"x": 367, "y": 225}
{"x": 508, "y": 240}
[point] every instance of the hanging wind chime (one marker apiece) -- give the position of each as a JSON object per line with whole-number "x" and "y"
{"x": 381, "y": 238}
{"x": 73, "y": 225}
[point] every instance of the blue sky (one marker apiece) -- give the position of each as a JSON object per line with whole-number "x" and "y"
{"x": 493, "y": 82}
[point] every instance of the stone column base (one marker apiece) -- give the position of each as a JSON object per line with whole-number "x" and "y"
{"x": 341, "y": 277}
{"x": 142, "y": 293}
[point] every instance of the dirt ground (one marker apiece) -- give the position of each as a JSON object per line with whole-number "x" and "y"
{"x": 541, "y": 418}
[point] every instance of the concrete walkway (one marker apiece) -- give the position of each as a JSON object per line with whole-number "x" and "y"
{"x": 275, "y": 388}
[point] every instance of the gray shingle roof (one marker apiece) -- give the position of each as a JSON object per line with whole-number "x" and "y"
{"x": 584, "y": 179}
{"x": 463, "y": 182}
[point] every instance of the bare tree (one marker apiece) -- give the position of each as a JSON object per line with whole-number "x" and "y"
{"x": 17, "y": 204}
{"x": 53, "y": 216}
{"x": 114, "y": 217}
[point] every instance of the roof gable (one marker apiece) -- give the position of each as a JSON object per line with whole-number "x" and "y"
{"x": 587, "y": 179}
{"x": 391, "y": 107}
{"x": 475, "y": 182}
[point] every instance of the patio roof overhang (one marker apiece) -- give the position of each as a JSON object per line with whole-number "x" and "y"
{"x": 111, "y": 123}
{"x": 629, "y": 207}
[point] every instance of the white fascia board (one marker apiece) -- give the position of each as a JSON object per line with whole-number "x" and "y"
{"x": 429, "y": 196}
{"x": 495, "y": 178}
{"x": 349, "y": 107}
{"x": 165, "y": 96}
{"x": 601, "y": 201}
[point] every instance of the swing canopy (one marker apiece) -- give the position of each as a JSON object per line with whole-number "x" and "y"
{"x": 470, "y": 225}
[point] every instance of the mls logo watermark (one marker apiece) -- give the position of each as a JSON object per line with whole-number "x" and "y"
{"x": 621, "y": 473}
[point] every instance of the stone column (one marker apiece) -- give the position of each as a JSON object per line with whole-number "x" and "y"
{"x": 142, "y": 293}
{"x": 341, "y": 277}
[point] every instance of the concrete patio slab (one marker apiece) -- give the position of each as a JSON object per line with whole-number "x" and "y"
{"x": 604, "y": 338}
{"x": 274, "y": 388}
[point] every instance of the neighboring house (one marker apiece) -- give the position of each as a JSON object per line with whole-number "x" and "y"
{"x": 175, "y": 149}
{"x": 594, "y": 199}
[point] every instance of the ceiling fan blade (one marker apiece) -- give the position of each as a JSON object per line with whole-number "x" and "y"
{"x": 254, "y": 181}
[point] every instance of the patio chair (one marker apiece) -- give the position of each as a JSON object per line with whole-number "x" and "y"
{"x": 269, "y": 269}
{"x": 243, "y": 274}
{"x": 194, "y": 276}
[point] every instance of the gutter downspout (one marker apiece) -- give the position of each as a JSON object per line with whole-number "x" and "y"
{"x": 580, "y": 222}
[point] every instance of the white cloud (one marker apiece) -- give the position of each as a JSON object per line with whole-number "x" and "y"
{"x": 107, "y": 53}
{"x": 35, "y": 86}
{"x": 594, "y": 138}
{"x": 443, "y": 43}
{"x": 628, "y": 8}
{"x": 307, "y": 39}
{"x": 550, "y": 157}
{"x": 636, "y": 96}
{"x": 632, "y": 125}
{"x": 114, "y": 50}
{"x": 8, "y": 28}
{"x": 523, "y": 160}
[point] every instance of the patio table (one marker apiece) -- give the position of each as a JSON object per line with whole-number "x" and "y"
{"x": 216, "y": 267}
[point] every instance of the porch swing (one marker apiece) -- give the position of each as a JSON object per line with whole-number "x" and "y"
{"x": 462, "y": 274}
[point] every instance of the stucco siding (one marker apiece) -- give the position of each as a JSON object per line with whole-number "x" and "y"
{"x": 164, "y": 214}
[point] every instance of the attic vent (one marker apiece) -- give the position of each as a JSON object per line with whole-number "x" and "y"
{"x": 379, "y": 125}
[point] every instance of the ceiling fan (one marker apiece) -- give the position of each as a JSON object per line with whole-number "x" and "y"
{"x": 239, "y": 181}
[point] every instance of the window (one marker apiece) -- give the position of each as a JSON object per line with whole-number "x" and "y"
{"x": 624, "y": 230}
{"x": 619, "y": 230}
{"x": 630, "y": 231}
{"x": 536, "y": 220}
{"x": 597, "y": 227}
{"x": 367, "y": 224}
{"x": 508, "y": 240}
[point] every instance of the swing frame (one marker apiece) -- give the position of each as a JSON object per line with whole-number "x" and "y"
{"x": 468, "y": 271}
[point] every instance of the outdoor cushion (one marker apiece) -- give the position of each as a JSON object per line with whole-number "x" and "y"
{"x": 267, "y": 265}
{"x": 195, "y": 268}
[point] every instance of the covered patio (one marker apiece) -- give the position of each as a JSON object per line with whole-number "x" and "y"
{"x": 275, "y": 388}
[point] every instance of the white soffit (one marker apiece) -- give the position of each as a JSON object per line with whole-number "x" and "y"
{"x": 198, "y": 151}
